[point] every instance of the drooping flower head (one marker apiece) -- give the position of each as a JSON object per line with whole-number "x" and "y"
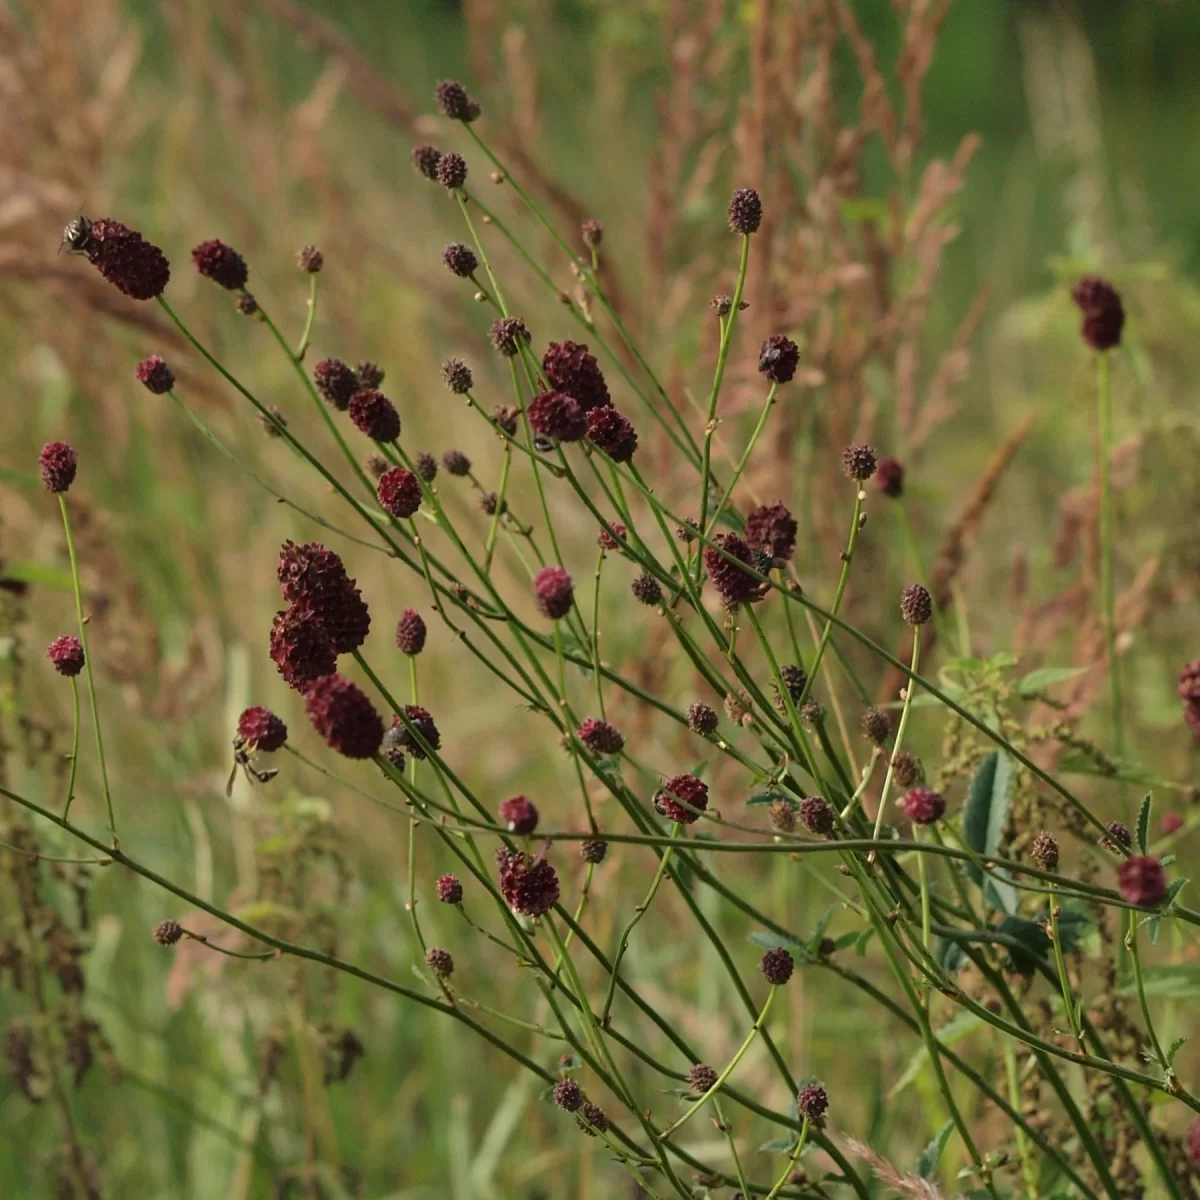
{"x": 221, "y": 263}
{"x": 154, "y": 375}
{"x": 129, "y": 262}
{"x": 342, "y": 713}
{"x": 682, "y": 798}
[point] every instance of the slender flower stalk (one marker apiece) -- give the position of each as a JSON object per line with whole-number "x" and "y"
{"x": 74, "y": 746}
{"x": 760, "y": 425}
{"x": 909, "y": 690}
{"x": 1131, "y": 941}
{"x": 1107, "y": 598}
{"x": 306, "y": 335}
{"x": 1070, "y": 1005}
{"x": 793, "y": 1159}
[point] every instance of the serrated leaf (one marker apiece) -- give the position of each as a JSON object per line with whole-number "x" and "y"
{"x": 1174, "y": 1049}
{"x": 1045, "y": 677}
{"x": 1143, "y": 825}
{"x": 1173, "y": 889}
{"x": 984, "y": 820}
{"x": 1176, "y": 981}
{"x": 768, "y": 940}
{"x": 931, "y": 1155}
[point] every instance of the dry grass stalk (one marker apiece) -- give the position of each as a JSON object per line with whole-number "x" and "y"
{"x": 890, "y": 1175}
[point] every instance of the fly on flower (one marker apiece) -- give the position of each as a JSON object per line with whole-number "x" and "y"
{"x": 241, "y": 758}
{"x": 75, "y": 235}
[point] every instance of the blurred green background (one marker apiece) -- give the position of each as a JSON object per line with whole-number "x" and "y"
{"x": 275, "y": 123}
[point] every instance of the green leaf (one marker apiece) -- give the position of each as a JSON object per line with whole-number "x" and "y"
{"x": 927, "y": 1163}
{"x": 862, "y": 941}
{"x": 771, "y": 941}
{"x": 1045, "y": 677}
{"x": 1174, "y": 1049}
{"x": 1143, "y": 825}
{"x": 765, "y": 799}
{"x": 1176, "y": 980}
{"x": 958, "y": 1027}
{"x": 783, "y": 1145}
{"x": 984, "y": 819}
{"x": 814, "y": 942}
{"x": 40, "y": 574}
{"x": 1173, "y": 889}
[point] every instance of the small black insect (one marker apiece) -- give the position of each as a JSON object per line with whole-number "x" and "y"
{"x": 76, "y": 234}
{"x": 770, "y": 356}
{"x": 241, "y": 758}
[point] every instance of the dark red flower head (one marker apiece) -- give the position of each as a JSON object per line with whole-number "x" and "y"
{"x": 519, "y": 815}
{"x": 777, "y": 966}
{"x": 453, "y": 100}
{"x": 507, "y": 417}
{"x": 399, "y": 492}
{"x": 557, "y": 415}
{"x": 375, "y": 415}
{"x": 1044, "y": 851}
{"x": 1189, "y": 682}
{"x": 702, "y": 719}
{"x": 613, "y": 433}
{"x": 568, "y": 1095}
{"x": 600, "y": 736}
{"x": 779, "y": 358}
{"x": 646, "y": 590}
{"x": 816, "y": 815}
{"x": 682, "y": 798}
{"x": 261, "y": 729}
{"x": 312, "y": 575}
{"x": 916, "y": 604}
{"x": 1103, "y": 313}
{"x": 58, "y": 463}
{"x": 507, "y": 335}
{"x": 593, "y": 850}
{"x": 344, "y": 716}
{"x": 702, "y": 1078}
{"x": 731, "y": 581}
{"x": 554, "y": 591}
{"x": 530, "y": 886}
{"x": 606, "y": 541}
{"x": 460, "y": 259}
{"x": 300, "y": 647}
{"x": 451, "y": 170}
{"x": 167, "y": 933}
{"x": 154, "y": 375}
{"x": 812, "y": 1102}
{"x": 771, "y": 527}
{"x": 456, "y": 463}
{"x": 572, "y": 369}
{"x": 221, "y": 263}
{"x": 310, "y": 259}
{"x": 858, "y": 462}
{"x": 1142, "y": 881}
{"x": 877, "y": 725}
{"x": 425, "y": 158}
{"x": 449, "y": 889}
{"x": 422, "y": 721}
{"x": 127, "y": 260}
{"x": 889, "y": 477}
{"x": 591, "y": 1119}
{"x": 924, "y": 806}
{"x": 410, "y": 632}
{"x": 336, "y": 381}
{"x": 66, "y": 653}
{"x": 440, "y": 962}
{"x": 745, "y": 211}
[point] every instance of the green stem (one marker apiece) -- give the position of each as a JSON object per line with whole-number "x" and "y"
{"x": 1131, "y": 941}
{"x": 501, "y": 491}
{"x": 1060, "y": 963}
{"x": 909, "y": 688}
{"x": 91, "y": 678}
{"x": 741, "y": 466}
{"x": 1104, "y": 421}
{"x": 793, "y": 1159}
{"x": 74, "y": 746}
{"x": 306, "y": 336}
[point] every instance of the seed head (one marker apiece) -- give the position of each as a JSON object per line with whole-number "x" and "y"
{"x": 702, "y": 1078}
{"x": 779, "y": 358}
{"x": 422, "y": 720}
{"x": 794, "y": 678}
{"x": 877, "y": 725}
{"x": 369, "y": 374}
{"x": 310, "y": 259}
{"x": 599, "y": 736}
{"x": 811, "y": 1102}
{"x": 336, "y": 382}
{"x": 410, "y": 632}
{"x": 816, "y": 815}
{"x": 745, "y": 211}
{"x": 858, "y": 462}
{"x": 646, "y": 590}
{"x": 733, "y": 584}
{"x": 399, "y": 492}
{"x": 440, "y": 962}
{"x": 506, "y": 417}
{"x": 772, "y": 528}
{"x": 519, "y": 815}
{"x": 456, "y": 463}
{"x": 916, "y": 604}
{"x": 568, "y": 1095}
{"x": 889, "y": 477}
{"x": 1044, "y": 851}
{"x": 530, "y": 886}
{"x": 1103, "y": 313}
{"x": 592, "y": 233}
{"x": 923, "y": 805}
{"x": 451, "y": 170}
{"x": 425, "y": 158}
{"x": 906, "y": 769}
{"x": 453, "y": 100}
{"x": 246, "y": 304}
{"x": 375, "y": 415}
{"x": 613, "y": 433}
{"x": 300, "y": 647}
{"x": 782, "y": 816}
{"x": 221, "y": 263}
{"x": 701, "y": 719}
{"x": 154, "y": 375}
{"x": 66, "y": 653}
{"x": 557, "y": 415}
{"x": 572, "y": 369}
{"x": 591, "y": 1119}
{"x": 682, "y": 798}
{"x": 1142, "y": 881}
{"x": 507, "y": 334}
{"x": 777, "y": 966}
{"x": 606, "y": 541}
{"x": 554, "y": 592}
{"x": 593, "y": 850}
{"x": 457, "y": 375}
{"x": 449, "y": 889}
{"x": 344, "y": 716}
{"x": 167, "y": 933}
{"x": 58, "y": 463}
{"x": 1117, "y": 837}
{"x": 721, "y": 304}
{"x": 261, "y": 729}
{"x": 273, "y": 422}
{"x": 460, "y": 259}
{"x": 426, "y": 466}
{"x": 737, "y": 708}
{"x": 129, "y": 262}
